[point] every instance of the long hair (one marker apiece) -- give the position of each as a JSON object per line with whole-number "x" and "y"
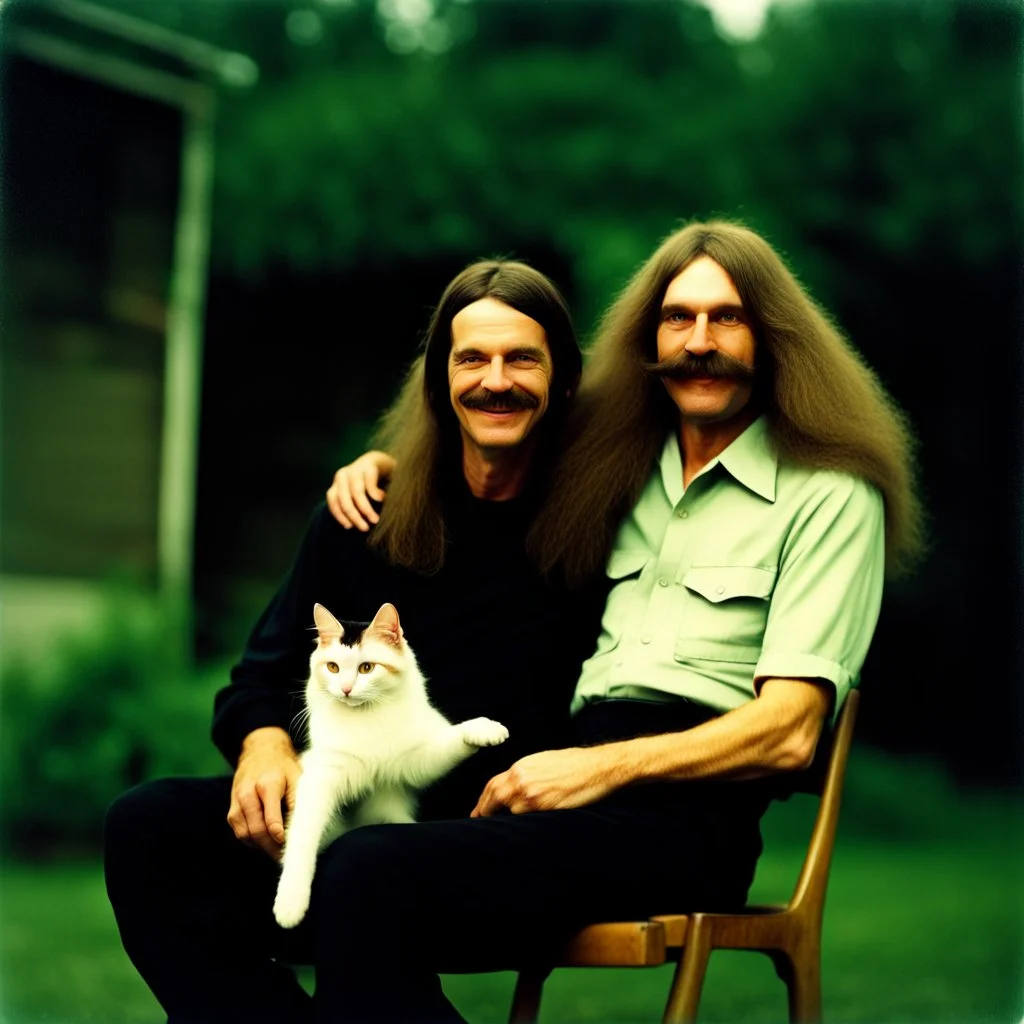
{"x": 421, "y": 430}
{"x": 825, "y": 407}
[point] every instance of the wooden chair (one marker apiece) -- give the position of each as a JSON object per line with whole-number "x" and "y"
{"x": 790, "y": 934}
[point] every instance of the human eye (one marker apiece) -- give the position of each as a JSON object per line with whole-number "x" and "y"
{"x": 729, "y": 317}
{"x": 677, "y": 316}
{"x": 522, "y": 359}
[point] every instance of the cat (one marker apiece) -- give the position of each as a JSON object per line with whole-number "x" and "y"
{"x": 374, "y": 739}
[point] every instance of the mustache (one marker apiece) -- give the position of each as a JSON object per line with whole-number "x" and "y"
{"x": 503, "y": 401}
{"x": 713, "y": 364}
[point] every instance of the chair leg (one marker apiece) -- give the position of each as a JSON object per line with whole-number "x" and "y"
{"x": 802, "y": 975}
{"x": 805, "y": 992}
{"x": 684, "y": 996}
{"x": 526, "y": 997}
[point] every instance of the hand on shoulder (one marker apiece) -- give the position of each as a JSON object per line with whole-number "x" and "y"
{"x": 356, "y": 486}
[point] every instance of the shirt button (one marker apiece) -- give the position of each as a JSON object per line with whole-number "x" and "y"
{"x": 645, "y": 639}
{"x": 719, "y": 589}
{"x": 663, "y": 582}
{"x": 681, "y": 514}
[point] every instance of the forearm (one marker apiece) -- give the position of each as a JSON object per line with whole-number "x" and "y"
{"x": 777, "y": 732}
{"x": 269, "y": 737}
{"x": 244, "y": 709}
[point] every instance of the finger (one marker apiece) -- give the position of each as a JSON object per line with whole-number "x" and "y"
{"x": 270, "y": 791}
{"x": 293, "y": 774}
{"x": 489, "y": 803}
{"x": 372, "y": 480}
{"x": 362, "y": 502}
{"x": 252, "y": 810}
{"x": 236, "y": 819}
{"x": 349, "y": 508}
{"x": 334, "y": 506}
{"x": 352, "y": 512}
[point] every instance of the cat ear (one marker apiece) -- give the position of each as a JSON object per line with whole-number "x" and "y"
{"x": 386, "y": 625}
{"x": 327, "y": 625}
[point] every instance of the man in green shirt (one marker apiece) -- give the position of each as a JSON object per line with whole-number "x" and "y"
{"x": 767, "y": 485}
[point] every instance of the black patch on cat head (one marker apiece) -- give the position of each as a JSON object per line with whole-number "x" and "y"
{"x": 353, "y": 632}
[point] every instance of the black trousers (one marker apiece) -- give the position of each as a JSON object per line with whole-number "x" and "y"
{"x": 393, "y": 905}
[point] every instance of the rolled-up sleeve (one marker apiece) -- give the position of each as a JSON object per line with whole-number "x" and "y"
{"x": 828, "y": 595}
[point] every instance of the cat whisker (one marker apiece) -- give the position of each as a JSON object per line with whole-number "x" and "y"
{"x": 300, "y": 720}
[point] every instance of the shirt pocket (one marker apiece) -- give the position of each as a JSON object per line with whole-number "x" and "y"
{"x": 725, "y": 609}
{"x": 624, "y": 569}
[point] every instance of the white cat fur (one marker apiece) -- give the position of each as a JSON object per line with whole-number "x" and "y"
{"x": 374, "y": 739}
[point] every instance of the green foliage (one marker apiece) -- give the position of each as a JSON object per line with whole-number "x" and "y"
{"x": 881, "y": 124}
{"x": 91, "y": 715}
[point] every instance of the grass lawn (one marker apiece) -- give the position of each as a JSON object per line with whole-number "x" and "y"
{"x": 916, "y": 930}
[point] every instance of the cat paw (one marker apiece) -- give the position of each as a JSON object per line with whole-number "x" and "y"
{"x": 291, "y": 905}
{"x": 483, "y": 732}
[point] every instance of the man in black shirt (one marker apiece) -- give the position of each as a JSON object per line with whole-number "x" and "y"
{"x": 602, "y": 829}
{"x": 475, "y": 425}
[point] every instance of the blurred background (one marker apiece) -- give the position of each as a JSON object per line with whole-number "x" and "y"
{"x": 224, "y": 224}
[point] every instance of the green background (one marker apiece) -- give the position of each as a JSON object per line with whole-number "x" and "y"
{"x": 876, "y": 143}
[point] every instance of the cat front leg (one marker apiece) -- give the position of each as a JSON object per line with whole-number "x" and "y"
{"x": 448, "y": 747}
{"x": 314, "y": 819}
{"x": 482, "y": 732}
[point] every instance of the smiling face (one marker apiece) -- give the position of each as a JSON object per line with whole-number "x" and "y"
{"x": 702, "y": 315}
{"x": 499, "y": 375}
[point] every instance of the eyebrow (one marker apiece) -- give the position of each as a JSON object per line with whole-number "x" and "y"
{"x": 522, "y": 350}
{"x": 682, "y": 307}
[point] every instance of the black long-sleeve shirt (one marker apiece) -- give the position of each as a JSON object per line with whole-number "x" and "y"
{"x": 490, "y": 636}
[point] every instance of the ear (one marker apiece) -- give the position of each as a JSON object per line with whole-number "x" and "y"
{"x": 386, "y": 625}
{"x": 327, "y": 625}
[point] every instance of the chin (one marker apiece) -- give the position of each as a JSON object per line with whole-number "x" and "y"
{"x": 705, "y": 415}
{"x": 507, "y": 438}
{"x": 503, "y": 441}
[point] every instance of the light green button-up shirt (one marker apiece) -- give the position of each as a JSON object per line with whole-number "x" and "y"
{"x": 758, "y": 569}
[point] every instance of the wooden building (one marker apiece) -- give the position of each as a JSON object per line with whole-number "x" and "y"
{"x": 107, "y": 139}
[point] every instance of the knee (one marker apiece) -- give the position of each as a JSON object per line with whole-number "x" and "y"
{"x": 141, "y": 816}
{"x": 364, "y": 865}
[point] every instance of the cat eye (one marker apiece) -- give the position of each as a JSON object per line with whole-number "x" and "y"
{"x": 367, "y": 666}
{"x": 332, "y": 666}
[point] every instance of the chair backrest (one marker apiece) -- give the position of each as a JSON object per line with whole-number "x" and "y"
{"x": 809, "y": 893}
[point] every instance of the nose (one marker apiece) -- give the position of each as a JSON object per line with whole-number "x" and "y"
{"x": 699, "y": 340}
{"x": 496, "y": 378}
{"x": 346, "y": 688}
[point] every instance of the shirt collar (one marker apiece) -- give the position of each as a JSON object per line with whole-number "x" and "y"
{"x": 750, "y": 460}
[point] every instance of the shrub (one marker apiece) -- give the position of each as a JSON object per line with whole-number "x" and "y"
{"x": 95, "y": 713}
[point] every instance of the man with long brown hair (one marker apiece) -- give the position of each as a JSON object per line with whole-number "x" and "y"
{"x": 744, "y": 481}
{"x": 187, "y": 865}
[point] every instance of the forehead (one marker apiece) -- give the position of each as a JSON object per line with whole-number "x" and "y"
{"x": 703, "y": 283}
{"x": 490, "y": 324}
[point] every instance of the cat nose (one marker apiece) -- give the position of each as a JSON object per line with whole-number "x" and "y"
{"x": 346, "y": 688}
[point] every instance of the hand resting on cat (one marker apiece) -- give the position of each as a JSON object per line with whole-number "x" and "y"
{"x": 374, "y": 740}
